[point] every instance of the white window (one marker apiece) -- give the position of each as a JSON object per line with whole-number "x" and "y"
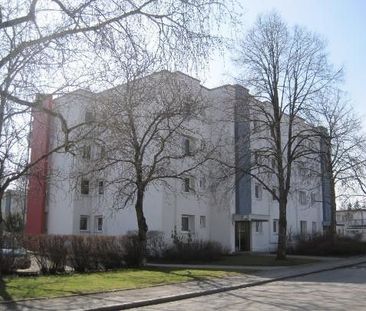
{"x": 258, "y": 191}
{"x": 102, "y": 152}
{"x": 188, "y": 184}
{"x": 202, "y": 221}
{"x": 98, "y": 225}
{"x": 302, "y": 169}
{"x": 275, "y": 225}
{"x": 274, "y": 193}
{"x": 187, "y": 145}
{"x": 84, "y": 187}
{"x": 258, "y": 226}
{"x": 313, "y": 227}
{"x": 202, "y": 183}
{"x": 86, "y": 152}
{"x": 101, "y": 187}
{"x": 187, "y": 223}
{"x": 313, "y": 198}
{"x": 302, "y": 197}
{"x": 303, "y": 227}
{"x": 89, "y": 116}
{"x": 256, "y": 126}
{"x": 257, "y": 158}
{"x": 273, "y": 163}
{"x": 84, "y": 223}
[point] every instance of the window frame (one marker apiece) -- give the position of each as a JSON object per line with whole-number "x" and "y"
{"x": 258, "y": 226}
{"x": 203, "y": 221}
{"x": 85, "y": 184}
{"x": 86, "y": 152}
{"x": 96, "y": 223}
{"x": 188, "y": 145}
{"x": 275, "y": 226}
{"x": 202, "y": 183}
{"x": 258, "y": 194}
{"x": 86, "y": 218}
{"x": 274, "y": 194}
{"x": 314, "y": 227}
{"x": 303, "y": 197}
{"x": 89, "y": 116}
{"x": 313, "y": 198}
{"x": 185, "y": 217}
{"x": 303, "y": 225}
{"x": 101, "y": 188}
{"x": 189, "y": 184}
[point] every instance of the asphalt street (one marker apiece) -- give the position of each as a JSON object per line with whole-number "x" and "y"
{"x": 341, "y": 289}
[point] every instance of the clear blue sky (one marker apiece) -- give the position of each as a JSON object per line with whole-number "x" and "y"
{"x": 342, "y": 23}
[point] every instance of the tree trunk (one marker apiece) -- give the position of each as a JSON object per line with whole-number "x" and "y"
{"x": 1, "y": 235}
{"x": 142, "y": 225}
{"x": 333, "y": 208}
{"x": 282, "y": 232}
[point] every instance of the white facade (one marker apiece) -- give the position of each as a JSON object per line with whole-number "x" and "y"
{"x": 13, "y": 202}
{"x": 210, "y": 212}
{"x": 352, "y": 223}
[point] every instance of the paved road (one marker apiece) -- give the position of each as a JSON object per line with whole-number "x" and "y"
{"x": 342, "y": 289}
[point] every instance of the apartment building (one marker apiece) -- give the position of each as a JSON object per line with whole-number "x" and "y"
{"x": 352, "y": 223}
{"x": 13, "y": 202}
{"x": 236, "y": 211}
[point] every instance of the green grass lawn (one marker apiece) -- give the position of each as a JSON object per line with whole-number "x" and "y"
{"x": 260, "y": 260}
{"x": 12, "y": 288}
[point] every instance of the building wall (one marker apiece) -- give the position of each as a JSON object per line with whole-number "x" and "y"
{"x": 352, "y": 223}
{"x": 218, "y": 204}
{"x": 39, "y": 144}
{"x": 13, "y": 202}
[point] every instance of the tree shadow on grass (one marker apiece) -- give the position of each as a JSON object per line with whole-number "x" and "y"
{"x": 5, "y": 297}
{"x": 203, "y": 281}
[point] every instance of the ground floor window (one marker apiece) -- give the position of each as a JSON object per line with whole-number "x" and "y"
{"x": 84, "y": 223}
{"x": 259, "y": 226}
{"x": 203, "y": 221}
{"x": 187, "y": 223}
{"x": 275, "y": 226}
{"x": 303, "y": 227}
{"x": 314, "y": 227}
{"x": 98, "y": 223}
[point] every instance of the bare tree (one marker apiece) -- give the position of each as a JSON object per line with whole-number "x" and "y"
{"x": 51, "y": 47}
{"x": 150, "y": 133}
{"x": 286, "y": 68}
{"x": 343, "y": 152}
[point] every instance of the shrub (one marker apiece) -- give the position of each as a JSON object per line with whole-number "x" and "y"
{"x": 50, "y": 252}
{"x": 134, "y": 251}
{"x": 14, "y": 223}
{"x": 323, "y": 245}
{"x": 109, "y": 251}
{"x": 12, "y": 255}
{"x": 156, "y": 244}
{"x": 89, "y": 253}
{"x": 82, "y": 253}
{"x": 185, "y": 249}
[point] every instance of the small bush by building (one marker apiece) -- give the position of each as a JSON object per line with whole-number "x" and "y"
{"x": 12, "y": 255}
{"x": 185, "y": 249}
{"x": 323, "y": 245}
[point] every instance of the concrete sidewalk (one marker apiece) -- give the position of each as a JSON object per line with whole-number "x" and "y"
{"x": 127, "y": 299}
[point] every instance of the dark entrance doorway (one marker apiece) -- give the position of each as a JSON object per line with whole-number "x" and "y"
{"x": 242, "y": 235}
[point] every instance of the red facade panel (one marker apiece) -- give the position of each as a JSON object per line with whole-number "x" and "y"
{"x": 37, "y": 187}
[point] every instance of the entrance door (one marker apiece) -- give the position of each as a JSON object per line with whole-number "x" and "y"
{"x": 242, "y": 235}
